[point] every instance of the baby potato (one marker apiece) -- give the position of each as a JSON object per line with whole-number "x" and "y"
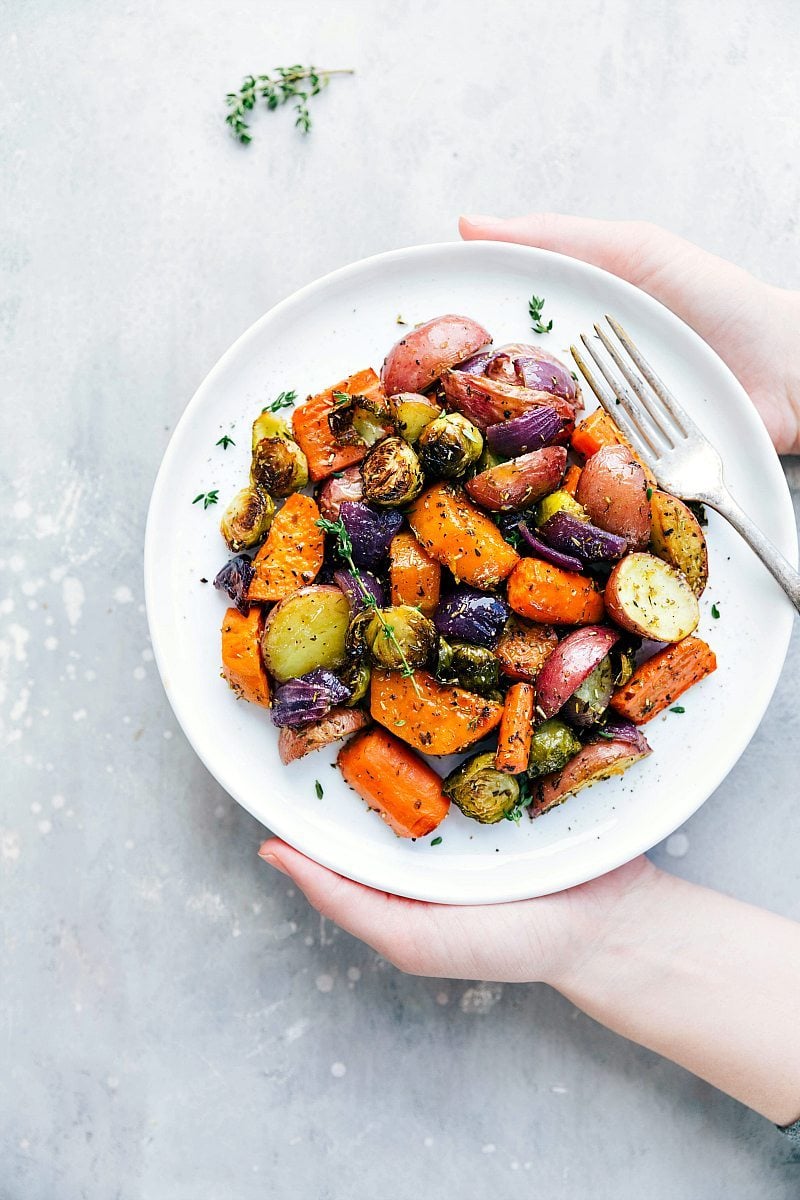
{"x": 676, "y": 536}
{"x": 305, "y": 631}
{"x": 613, "y": 490}
{"x": 418, "y": 359}
{"x": 650, "y": 598}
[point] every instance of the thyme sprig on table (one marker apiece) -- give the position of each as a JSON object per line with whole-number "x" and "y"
{"x": 344, "y": 548}
{"x": 295, "y": 83}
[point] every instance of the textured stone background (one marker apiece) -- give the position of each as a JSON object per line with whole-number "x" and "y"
{"x": 175, "y": 1022}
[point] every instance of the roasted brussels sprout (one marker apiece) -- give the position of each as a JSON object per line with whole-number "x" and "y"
{"x": 480, "y": 790}
{"x": 623, "y": 658}
{"x": 357, "y": 676}
{"x": 472, "y": 667}
{"x": 552, "y": 746}
{"x": 359, "y": 420}
{"x": 279, "y": 466}
{"x": 356, "y": 640}
{"x": 400, "y": 632}
{"x": 559, "y": 501}
{"x": 449, "y": 445}
{"x": 268, "y": 425}
{"x": 247, "y": 519}
{"x": 588, "y": 703}
{"x": 392, "y": 474}
{"x": 412, "y": 413}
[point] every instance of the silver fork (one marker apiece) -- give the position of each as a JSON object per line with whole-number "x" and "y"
{"x": 664, "y": 435}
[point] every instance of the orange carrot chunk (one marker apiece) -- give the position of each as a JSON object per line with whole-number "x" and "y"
{"x": 312, "y": 430}
{"x": 440, "y": 720}
{"x": 241, "y": 655}
{"x": 570, "y": 481}
{"x": 598, "y": 430}
{"x": 659, "y": 681}
{"x": 395, "y": 782}
{"x": 545, "y": 593}
{"x": 516, "y": 730}
{"x": 291, "y": 557}
{"x": 415, "y": 576}
{"x": 458, "y": 534}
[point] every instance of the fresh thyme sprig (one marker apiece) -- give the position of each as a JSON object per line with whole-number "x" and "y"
{"x": 208, "y": 498}
{"x": 524, "y": 801}
{"x": 225, "y": 441}
{"x": 284, "y": 400}
{"x": 535, "y": 306}
{"x": 344, "y": 548}
{"x": 284, "y": 84}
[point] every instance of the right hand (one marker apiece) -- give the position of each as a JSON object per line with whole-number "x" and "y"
{"x": 752, "y": 326}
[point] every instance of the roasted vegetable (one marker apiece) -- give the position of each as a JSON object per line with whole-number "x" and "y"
{"x": 247, "y": 519}
{"x": 458, "y": 534}
{"x": 473, "y": 668}
{"x": 339, "y": 723}
{"x": 268, "y": 425}
{"x": 526, "y": 366}
{"x": 676, "y": 536}
{"x": 471, "y": 616}
{"x": 589, "y": 701}
{"x": 370, "y": 532}
{"x": 571, "y": 536}
{"x": 356, "y": 676}
{"x": 598, "y": 760}
{"x": 415, "y": 576}
{"x": 650, "y": 598}
{"x": 431, "y": 716}
{"x": 354, "y": 590}
{"x": 623, "y": 657}
{"x": 312, "y": 427}
{"x": 344, "y": 485}
{"x": 241, "y": 655}
{"x": 544, "y": 593}
{"x": 533, "y": 430}
{"x": 278, "y": 466}
{"x": 598, "y": 430}
{"x": 658, "y": 682}
{"x": 556, "y": 502}
{"x": 516, "y": 730}
{"x": 306, "y": 700}
{"x": 487, "y": 401}
{"x": 392, "y": 474}
{"x": 419, "y": 357}
{"x": 449, "y": 445}
{"x": 480, "y": 790}
{"x": 360, "y": 420}
{"x": 552, "y": 746}
{"x": 234, "y": 579}
{"x": 571, "y": 663}
{"x": 571, "y": 480}
{"x": 566, "y": 562}
{"x": 406, "y": 791}
{"x": 612, "y": 490}
{"x": 292, "y": 555}
{"x": 520, "y": 482}
{"x": 524, "y": 648}
{"x": 400, "y": 636}
{"x": 411, "y": 413}
{"x": 306, "y": 631}
{"x": 619, "y": 729}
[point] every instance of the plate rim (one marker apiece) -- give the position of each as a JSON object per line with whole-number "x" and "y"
{"x": 446, "y": 894}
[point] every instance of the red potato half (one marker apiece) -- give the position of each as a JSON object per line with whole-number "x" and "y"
{"x": 600, "y": 760}
{"x": 420, "y": 357}
{"x": 676, "y": 536}
{"x": 488, "y": 402}
{"x": 648, "y": 597}
{"x": 520, "y": 482}
{"x": 339, "y": 723}
{"x": 613, "y": 490}
{"x": 572, "y": 661}
{"x": 348, "y": 486}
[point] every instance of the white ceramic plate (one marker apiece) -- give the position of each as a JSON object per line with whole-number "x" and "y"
{"x": 347, "y": 321}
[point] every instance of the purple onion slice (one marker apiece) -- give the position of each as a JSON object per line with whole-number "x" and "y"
{"x": 370, "y": 531}
{"x": 348, "y": 583}
{"x": 471, "y": 616}
{"x": 570, "y": 535}
{"x": 234, "y": 579}
{"x": 307, "y": 699}
{"x": 533, "y": 430}
{"x": 556, "y": 558}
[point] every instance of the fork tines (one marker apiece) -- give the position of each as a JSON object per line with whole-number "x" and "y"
{"x": 645, "y": 410}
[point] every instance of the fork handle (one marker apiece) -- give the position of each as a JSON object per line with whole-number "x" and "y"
{"x": 772, "y": 558}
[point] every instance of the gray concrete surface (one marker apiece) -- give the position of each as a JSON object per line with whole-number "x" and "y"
{"x": 175, "y": 1022}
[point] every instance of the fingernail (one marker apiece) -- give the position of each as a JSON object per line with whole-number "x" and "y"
{"x": 481, "y": 220}
{"x": 273, "y": 861}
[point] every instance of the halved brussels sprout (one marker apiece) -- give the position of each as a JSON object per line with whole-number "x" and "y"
{"x": 400, "y": 628}
{"x": 552, "y": 746}
{"x": 357, "y": 676}
{"x": 356, "y": 641}
{"x": 412, "y": 413}
{"x": 449, "y": 445}
{"x": 269, "y": 425}
{"x": 279, "y": 466}
{"x": 623, "y": 658}
{"x": 480, "y": 790}
{"x": 247, "y": 519}
{"x": 392, "y": 474}
{"x": 358, "y": 420}
{"x": 474, "y": 668}
{"x": 587, "y": 703}
{"x": 558, "y": 501}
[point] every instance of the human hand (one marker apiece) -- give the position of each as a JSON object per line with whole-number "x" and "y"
{"x": 751, "y": 325}
{"x": 524, "y": 941}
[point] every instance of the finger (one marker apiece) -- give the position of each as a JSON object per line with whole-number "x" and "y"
{"x": 392, "y": 925}
{"x": 630, "y": 249}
